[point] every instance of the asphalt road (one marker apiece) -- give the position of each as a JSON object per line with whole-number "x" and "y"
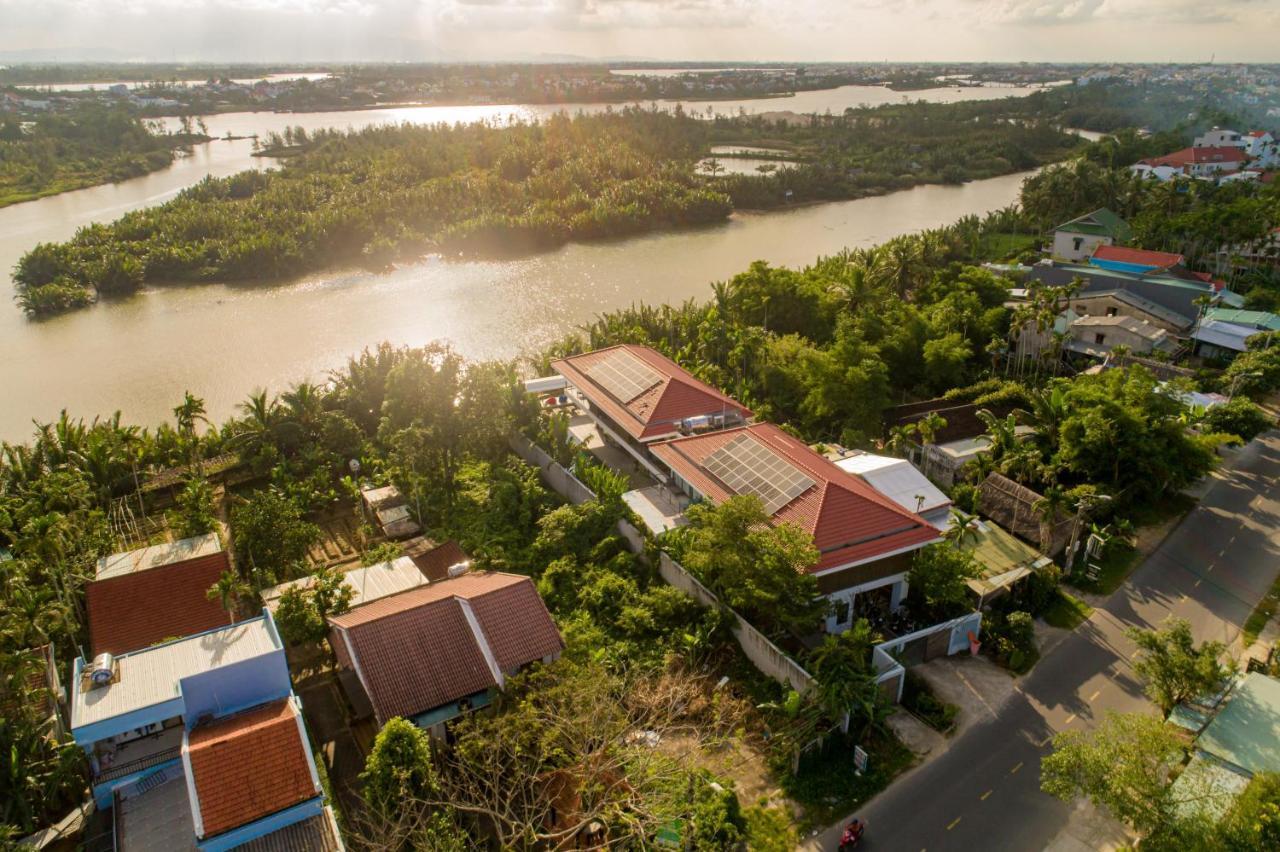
{"x": 983, "y": 793}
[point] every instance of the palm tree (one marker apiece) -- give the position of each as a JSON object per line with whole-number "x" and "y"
{"x": 1047, "y": 509}
{"x": 927, "y": 428}
{"x": 187, "y": 414}
{"x": 963, "y": 530}
{"x": 900, "y": 439}
{"x": 1048, "y": 411}
{"x": 1001, "y": 434}
{"x": 228, "y": 591}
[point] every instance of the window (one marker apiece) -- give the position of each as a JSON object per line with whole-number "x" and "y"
{"x": 841, "y": 609}
{"x": 1099, "y": 338}
{"x": 1078, "y": 243}
{"x": 1112, "y": 311}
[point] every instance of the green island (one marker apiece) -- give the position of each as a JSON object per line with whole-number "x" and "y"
{"x": 91, "y": 145}
{"x": 384, "y": 194}
{"x": 824, "y": 350}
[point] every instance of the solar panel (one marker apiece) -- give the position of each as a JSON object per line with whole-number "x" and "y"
{"x": 623, "y": 375}
{"x": 748, "y": 467}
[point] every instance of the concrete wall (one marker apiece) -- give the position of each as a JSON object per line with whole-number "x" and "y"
{"x": 766, "y": 656}
{"x": 556, "y": 477}
{"x": 229, "y": 688}
{"x": 1064, "y": 245}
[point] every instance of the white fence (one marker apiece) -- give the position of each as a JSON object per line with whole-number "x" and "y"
{"x": 553, "y": 474}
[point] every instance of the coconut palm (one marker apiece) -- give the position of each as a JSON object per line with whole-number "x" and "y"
{"x": 963, "y": 528}
{"x": 229, "y": 591}
{"x": 1047, "y": 508}
{"x": 900, "y": 439}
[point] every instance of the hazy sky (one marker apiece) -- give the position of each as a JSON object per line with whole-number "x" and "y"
{"x": 303, "y": 30}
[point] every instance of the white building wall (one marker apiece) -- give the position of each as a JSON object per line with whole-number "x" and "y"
{"x": 1071, "y": 246}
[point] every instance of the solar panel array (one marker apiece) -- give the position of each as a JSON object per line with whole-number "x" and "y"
{"x": 748, "y": 467}
{"x": 623, "y": 375}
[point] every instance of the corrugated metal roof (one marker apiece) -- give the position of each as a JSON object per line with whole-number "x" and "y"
{"x": 367, "y": 583}
{"x": 151, "y": 676}
{"x": 896, "y": 479}
{"x": 1224, "y": 334}
{"x": 119, "y": 564}
{"x": 1246, "y": 731}
{"x": 1256, "y": 319}
{"x": 318, "y": 833}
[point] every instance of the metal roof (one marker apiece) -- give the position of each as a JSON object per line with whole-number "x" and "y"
{"x": 1101, "y": 222}
{"x": 1257, "y": 319}
{"x": 367, "y": 583}
{"x": 151, "y": 676}
{"x": 157, "y": 555}
{"x": 1246, "y": 732}
{"x": 896, "y": 479}
{"x": 1224, "y": 334}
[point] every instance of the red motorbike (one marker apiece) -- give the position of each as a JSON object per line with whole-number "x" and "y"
{"x": 851, "y": 835}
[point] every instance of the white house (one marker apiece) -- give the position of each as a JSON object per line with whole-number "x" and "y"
{"x": 1262, "y": 147}
{"x": 1218, "y": 138}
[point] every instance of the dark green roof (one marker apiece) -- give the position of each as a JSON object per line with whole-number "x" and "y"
{"x": 1256, "y": 319}
{"x": 1100, "y": 223}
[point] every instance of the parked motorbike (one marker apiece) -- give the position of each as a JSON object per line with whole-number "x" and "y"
{"x": 851, "y": 835}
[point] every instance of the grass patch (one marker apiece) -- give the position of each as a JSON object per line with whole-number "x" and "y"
{"x": 828, "y": 787}
{"x": 1005, "y": 246}
{"x": 1115, "y": 566}
{"x": 1261, "y": 614}
{"x": 770, "y": 829}
{"x": 919, "y": 699}
{"x": 1066, "y": 611}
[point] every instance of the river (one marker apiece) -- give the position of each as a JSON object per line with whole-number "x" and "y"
{"x": 139, "y": 354}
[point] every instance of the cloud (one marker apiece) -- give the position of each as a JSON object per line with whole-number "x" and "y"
{"x": 1156, "y": 13}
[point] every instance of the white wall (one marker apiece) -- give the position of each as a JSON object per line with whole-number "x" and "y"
{"x": 1065, "y": 245}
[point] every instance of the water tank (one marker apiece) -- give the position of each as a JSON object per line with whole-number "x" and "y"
{"x": 102, "y": 670}
{"x": 459, "y": 568}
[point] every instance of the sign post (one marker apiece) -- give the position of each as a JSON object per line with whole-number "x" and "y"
{"x": 859, "y": 759}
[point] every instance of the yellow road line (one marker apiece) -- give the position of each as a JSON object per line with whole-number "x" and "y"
{"x": 954, "y": 824}
{"x": 1136, "y": 652}
{"x": 1019, "y": 766}
{"x": 1198, "y": 582}
{"x": 983, "y": 797}
{"x": 1044, "y": 742}
{"x": 1070, "y": 719}
{"x": 1095, "y": 695}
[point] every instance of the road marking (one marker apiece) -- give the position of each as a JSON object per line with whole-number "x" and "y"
{"x": 954, "y": 824}
{"x": 1135, "y": 653}
{"x": 1019, "y": 766}
{"x": 1095, "y": 695}
{"x": 1198, "y": 582}
{"x": 983, "y": 797}
{"x": 1044, "y": 742}
{"x": 1070, "y": 719}
{"x": 1222, "y": 552}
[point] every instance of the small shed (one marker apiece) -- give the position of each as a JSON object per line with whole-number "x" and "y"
{"x": 1010, "y": 505}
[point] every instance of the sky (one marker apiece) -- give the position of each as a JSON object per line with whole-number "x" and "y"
{"x": 792, "y": 30}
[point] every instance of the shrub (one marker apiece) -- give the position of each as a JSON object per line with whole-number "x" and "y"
{"x": 1239, "y": 417}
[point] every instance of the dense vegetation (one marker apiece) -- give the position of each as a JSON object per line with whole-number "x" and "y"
{"x": 390, "y": 193}
{"x": 92, "y": 144}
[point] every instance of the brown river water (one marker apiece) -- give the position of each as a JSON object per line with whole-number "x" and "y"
{"x": 220, "y": 342}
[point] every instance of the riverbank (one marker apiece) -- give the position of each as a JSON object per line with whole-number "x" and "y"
{"x": 217, "y": 339}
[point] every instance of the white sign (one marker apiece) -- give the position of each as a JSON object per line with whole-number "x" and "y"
{"x": 860, "y": 759}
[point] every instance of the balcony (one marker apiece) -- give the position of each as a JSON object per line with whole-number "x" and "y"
{"x": 119, "y": 761}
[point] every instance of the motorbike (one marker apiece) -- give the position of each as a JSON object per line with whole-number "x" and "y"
{"x": 851, "y": 835}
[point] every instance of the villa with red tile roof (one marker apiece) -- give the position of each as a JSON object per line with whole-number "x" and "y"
{"x": 154, "y": 594}
{"x": 1196, "y": 162}
{"x": 865, "y": 540}
{"x": 637, "y": 396}
{"x": 433, "y": 653}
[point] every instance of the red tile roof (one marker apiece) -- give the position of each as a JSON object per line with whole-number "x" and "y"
{"x": 139, "y": 609}
{"x": 1120, "y": 254}
{"x": 248, "y": 766}
{"x": 850, "y": 521}
{"x": 658, "y": 410}
{"x": 1206, "y": 154}
{"x": 419, "y": 650}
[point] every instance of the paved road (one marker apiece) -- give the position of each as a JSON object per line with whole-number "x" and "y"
{"x": 984, "y": 792}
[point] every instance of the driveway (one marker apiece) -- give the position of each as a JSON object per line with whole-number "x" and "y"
{"x": 984, "y": 791}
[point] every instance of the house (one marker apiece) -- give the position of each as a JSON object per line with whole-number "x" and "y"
{"x": 1217, "y": 339}
{"x": 433, "y": 653}
{"x": 388, "y": 508}
{"x": 155, "y": 593}
{"x": 367, "y": 583}
{"x": 1194, "y": 162}
{"x": 1076, "y": 240}
{"x": 199, "y": 743}
{"x": 1003, "y": 560}
{"x": 1176, "y": 290}
{"x": 637, "y": 397}
{"x": 1219, "y": 138}
{"x": 864, "y": 539}
{"x": 1011, "y": 506}
{"x": 1262, "y": 149}
{"x": 898, "y": 480}
{"x": 1097, "y": 336}
{"x": 1110, "y": 303}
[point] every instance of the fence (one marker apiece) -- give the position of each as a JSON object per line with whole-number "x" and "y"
{"x": 553, "y": 474}
{"x": 892, "y": 658}
{"x": 766, "y": 656}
